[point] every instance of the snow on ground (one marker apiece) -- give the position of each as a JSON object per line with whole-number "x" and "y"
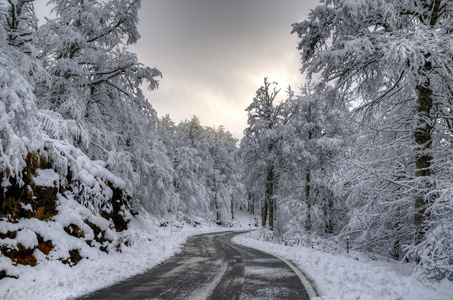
{"x": 151, "y": 244}
{"x": 335, "y": 276}
{"x": 352, "y": 276}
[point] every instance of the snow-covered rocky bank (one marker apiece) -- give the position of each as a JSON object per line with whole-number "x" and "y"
{"x": 149, "y": 245}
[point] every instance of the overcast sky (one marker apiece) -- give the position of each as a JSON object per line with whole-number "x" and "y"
{"x": 214, "y": 54}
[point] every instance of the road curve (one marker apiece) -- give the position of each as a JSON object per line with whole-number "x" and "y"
{"x": 210, "y": 266}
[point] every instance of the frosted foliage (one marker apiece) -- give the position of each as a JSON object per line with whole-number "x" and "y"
{"x": 436, "y": 251}
{"x": 55, "y": 126}
{"x": 203, "y": 164}
{"x": 298, "y": 142}
{"x": 19, "y": 125}
{"x": 80, "y": 103}
{"x": 96, "y": 81}
{"x": 193, "y": 195}
{"x": 72, "y": 90}
{"x": 380, "y": 169}
{"x": 313, "y": 141}
{"x": 96, "y": 88}
{"x": 158, "y": 194}
{"x": 259, "y": 149}
{"x": 392, "y": 60}
{"x": 357, "y": 38}
{"x": 89, "y": 179}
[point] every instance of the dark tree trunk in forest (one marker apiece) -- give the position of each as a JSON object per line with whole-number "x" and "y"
{"x": 423, "y": 158}
{"x": 216, "y": 207}
{"x": 249, "y": 206}
{"x": 328, "y": 215}
{"x": 269, "y": 196}
{"x": 268, "y": 207}
{"x": 264, "y": 209}
{"x": 307, "y": 199}
{"x": 422, "y": 134}
{"x": 232, "y": 209}
{"x": 276, "y": 221}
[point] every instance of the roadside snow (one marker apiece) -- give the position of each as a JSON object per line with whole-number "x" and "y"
{"x": 150, "y": 245}
{"x": 352, "y": 276}
{"x": 335, "y": 276}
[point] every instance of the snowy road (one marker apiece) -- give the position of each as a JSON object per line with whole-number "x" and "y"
{"x": 210, "y": 266}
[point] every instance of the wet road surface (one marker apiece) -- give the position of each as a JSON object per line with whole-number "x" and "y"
{"x": 210, "y": 266}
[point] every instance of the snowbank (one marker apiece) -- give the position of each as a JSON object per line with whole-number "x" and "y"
{"x": 353, "y": 276}
{"x": 150, "y": 244}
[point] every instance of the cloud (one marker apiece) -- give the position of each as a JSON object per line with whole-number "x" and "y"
{"x": 214, "y": 54}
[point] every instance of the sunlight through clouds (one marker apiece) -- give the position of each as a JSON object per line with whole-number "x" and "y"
{"x": 214, "y": 54}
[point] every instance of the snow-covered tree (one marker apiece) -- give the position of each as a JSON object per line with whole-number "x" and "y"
{"x": 222, "y": 147}
{"x": 30, "y": 134}
{"x": 20, "y": 130}
{"x": 392, "y": 57}
{"x": 259, "y": 148}
{"x": 96, "y": 87}
{"x": 376, "y": 176}
{"x": 204, "y": 166}
{"x": 237, "y": 187}
{"x": 96, "y": 80}
{"x": 193, "y": 166}
{"x": 313, "y": 143}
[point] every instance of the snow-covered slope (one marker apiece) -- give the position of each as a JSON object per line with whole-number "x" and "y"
{"x": 149, "y": 244}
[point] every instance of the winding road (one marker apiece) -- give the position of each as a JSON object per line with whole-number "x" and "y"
{"x": 210, "y": 266}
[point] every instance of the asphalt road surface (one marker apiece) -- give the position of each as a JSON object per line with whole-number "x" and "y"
{"x": 210, "y": 266}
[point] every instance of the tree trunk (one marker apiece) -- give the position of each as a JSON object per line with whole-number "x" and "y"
{"x": 328, "y": 227}
{"x": 423, "y": 134}
{"x": 307, "y": 199}
{"x": 276, "y": 222}
{"x": 216, "y": 207}
{"x": 232, "y": 209}
{"x": 423, "y": 158}
{"x": 249, "y": 204}
{"x": 264, "y": 208}
{"x": 269, "y": 196}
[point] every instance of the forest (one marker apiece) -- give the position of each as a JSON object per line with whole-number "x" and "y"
{"x": 359, "y": 156}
